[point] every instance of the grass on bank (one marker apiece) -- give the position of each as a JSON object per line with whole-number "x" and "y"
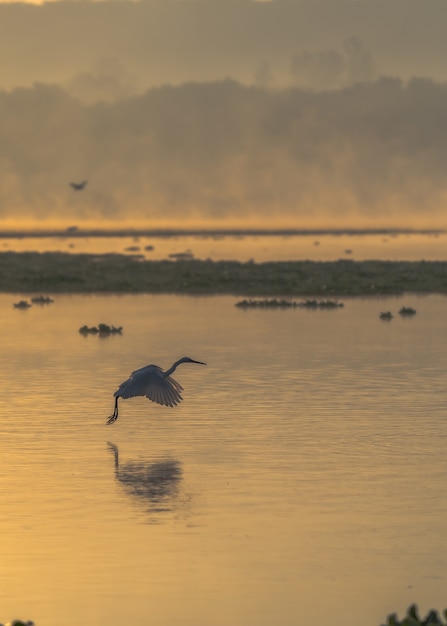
{"x": 58, "y": 272}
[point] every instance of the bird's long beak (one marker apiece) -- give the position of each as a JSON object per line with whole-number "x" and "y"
{"x": 199, "y": 362}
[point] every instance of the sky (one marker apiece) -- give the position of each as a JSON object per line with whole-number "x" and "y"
{"x": 288, "y": 113}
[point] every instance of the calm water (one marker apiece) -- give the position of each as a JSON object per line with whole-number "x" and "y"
{"x": 324, "y": 247}
{"x": 301, "y": 481}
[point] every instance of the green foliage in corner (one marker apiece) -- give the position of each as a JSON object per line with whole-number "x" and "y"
{"x": 412, "y": 618}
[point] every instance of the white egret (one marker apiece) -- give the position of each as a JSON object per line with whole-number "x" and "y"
{"x": 151, "y": 381}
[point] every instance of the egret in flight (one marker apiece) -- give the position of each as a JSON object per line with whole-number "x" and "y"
{"x": 151, "y": 381}
{"x": 79, "y": 186}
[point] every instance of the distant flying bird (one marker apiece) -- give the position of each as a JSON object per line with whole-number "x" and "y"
{"x": 151, "y": 381}
{"x": 79, "y": 186}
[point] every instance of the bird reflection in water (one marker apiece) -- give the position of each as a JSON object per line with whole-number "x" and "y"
{"x": 155, "y": 485}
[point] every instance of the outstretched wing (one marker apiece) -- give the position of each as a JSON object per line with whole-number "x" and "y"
{"x": 150, "y": 382}
{"x": 166, "y": 391}
{"x": 79, "y": 186}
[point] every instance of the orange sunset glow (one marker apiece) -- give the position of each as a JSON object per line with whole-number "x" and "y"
{"x": 223, "y": 281}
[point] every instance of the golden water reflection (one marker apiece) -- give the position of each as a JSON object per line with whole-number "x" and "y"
{"x": 301, "y": 480}
{"x": 259, "y": 248}
{"x": 154, "y": 484}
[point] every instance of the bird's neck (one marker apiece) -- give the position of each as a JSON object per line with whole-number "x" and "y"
{"x": 173, "y": 367}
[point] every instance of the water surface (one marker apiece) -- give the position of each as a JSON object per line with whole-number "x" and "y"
{"x": 302, "y": 480}
{"x": 259, "y": 248}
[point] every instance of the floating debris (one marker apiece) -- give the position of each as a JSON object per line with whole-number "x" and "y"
{"x": 101, "y": 329}
{"x": 407, "y": 311}
{"x": 284, "y": 304}
{"x": 42, "y": 300}
{"x": 149, "y": 248}
{"x": 386, "y": 315}
{"x": 132, "y": 249}
{"x": 22, "y": 304}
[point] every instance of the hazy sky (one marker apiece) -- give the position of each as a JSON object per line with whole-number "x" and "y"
{"x": 290, "y": 112}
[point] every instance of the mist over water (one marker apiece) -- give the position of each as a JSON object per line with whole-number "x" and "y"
{"x": 223, "y": 154}
{"x": 261, "y": 115}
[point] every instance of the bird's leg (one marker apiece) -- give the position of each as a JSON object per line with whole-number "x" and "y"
{"x": 114, "y": 415}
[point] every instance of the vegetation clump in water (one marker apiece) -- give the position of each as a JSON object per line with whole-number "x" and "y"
{"x": 386, "y": 315}
{"x": 321, "y": 304}
{"x": 22, "y": 304}
{"x": 266, "y": 304}
{"x": 42, "y": 300}
{"x": 407, "y": 311}
{"x": 412, "y": 618}
{"x": 285, "y": 304}
{"x": 101, "y": 329}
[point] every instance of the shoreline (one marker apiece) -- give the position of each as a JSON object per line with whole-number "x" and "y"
{"x": 78, "y": 232}
{"x": 60, "y": 272}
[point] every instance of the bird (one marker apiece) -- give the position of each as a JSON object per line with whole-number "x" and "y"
{"x": 79, "y": 186}
{"x": 154, "y": 383}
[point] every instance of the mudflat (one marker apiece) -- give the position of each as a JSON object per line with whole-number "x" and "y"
{"x": 58, "y": 272}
